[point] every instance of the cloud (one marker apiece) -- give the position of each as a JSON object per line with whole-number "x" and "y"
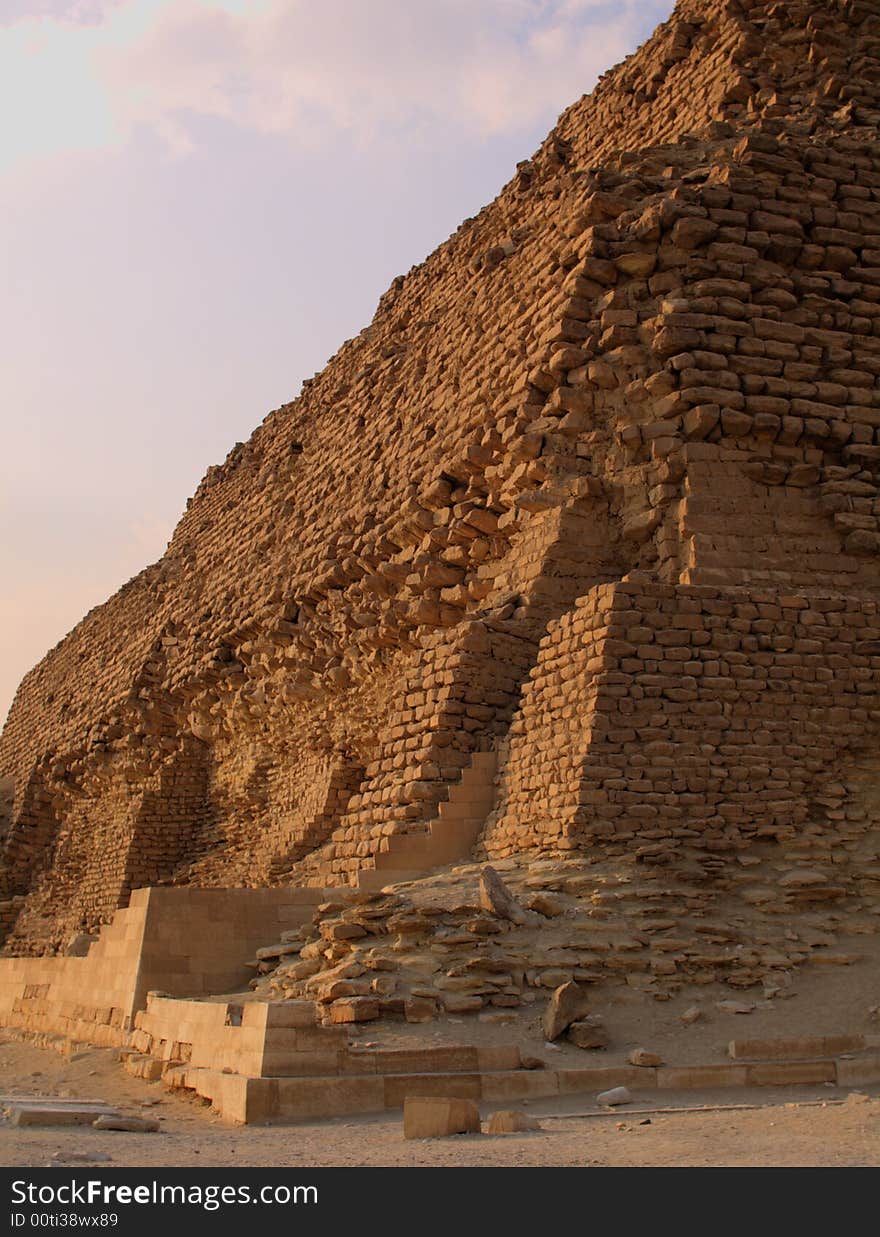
{"x": 86, "y": 11}
{"x": 88, "y": 74}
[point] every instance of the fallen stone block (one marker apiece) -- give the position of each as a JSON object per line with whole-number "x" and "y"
{"x": 641, "y": 1056}
{"x": 129, "y": 1125}
{"x": 512, "y": 1121}
{"x": 428, "y": 1117}
{"x": 585, "y": 1035}
{"x": 569, "y": 1003}
{"x": 614, "y": 1097}
{"x": 419, "y": 1009}
{"x": 734, "y": 1007}
{"x": 140, "y": 1065}
{"x": 496, "y": 897}
{"x": 354, "y": 1009}
{"x": 546, "y": 904}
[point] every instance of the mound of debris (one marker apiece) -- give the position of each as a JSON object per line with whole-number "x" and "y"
{"x": 469, "y": 941}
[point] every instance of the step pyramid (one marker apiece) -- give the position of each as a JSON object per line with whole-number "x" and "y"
{"x": 596, "y": 491}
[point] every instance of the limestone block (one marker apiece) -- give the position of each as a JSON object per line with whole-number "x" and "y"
{"x": 425, "y": 1117}
{"x": 512, "y": 1121}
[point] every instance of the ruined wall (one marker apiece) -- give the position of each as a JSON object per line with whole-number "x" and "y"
{"x": 658, "y": 713}
{"x": 99, "y": 841}
{"x": 267, "y": 806}
{"x": 788, "y": 539}
{"x": 658, "y": 350}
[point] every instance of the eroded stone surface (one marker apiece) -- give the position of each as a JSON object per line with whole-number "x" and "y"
{"x": 603, "y": 589}
{"x": 426, "y": 1117}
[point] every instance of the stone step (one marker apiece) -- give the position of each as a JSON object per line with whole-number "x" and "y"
{"x": 459, "y": 811}
{"x": 299, "y": 1039}
{"x": 334, "y": 1060}
{"x": 449, "y": 837}
{"x": 805, "y": 1046}
{"x": 418, "y": 854}
{"x": 290, "y": 1099}
{"x": 405, "y": 853}
{"x": 371, "y": 880}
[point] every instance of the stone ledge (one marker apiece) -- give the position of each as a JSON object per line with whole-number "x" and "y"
{"x": 279, "y": 1100}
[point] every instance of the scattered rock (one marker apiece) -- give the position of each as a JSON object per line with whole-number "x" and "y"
{"x": 584, "y": 1034}
{"x": 735, "y": 1007}
{"x": 614, "y": 1097}
{"x": 343, "y": 931}
{"x": 691, "y": 1015}
{"x": 354, "y": 1009}
{"x": 547, "y": 905}
{"x": 497, "y": 898}
{"x": 512, "y": 1121}
{"x": 569, "y": 1003}
{"x": 641, "y": 1056}
{"x": 81, "y": 1157}
{"x": 270, "y": 952}
{"x": 419, "y": 1009}
{"x": 499, "y": 1018}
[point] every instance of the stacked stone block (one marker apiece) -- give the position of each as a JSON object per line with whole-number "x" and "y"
{"x": 656, "y": 352}
{"x": 669, "y": 715}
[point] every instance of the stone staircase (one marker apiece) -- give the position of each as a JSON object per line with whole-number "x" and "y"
{"x": 449, "y": 837}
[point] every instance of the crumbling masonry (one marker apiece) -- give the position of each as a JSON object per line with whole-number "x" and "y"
{"x": 591, "y": 510}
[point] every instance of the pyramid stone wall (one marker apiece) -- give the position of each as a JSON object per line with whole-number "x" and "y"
{"x": 654, "y": 357}
{"x": 660, "y": 714}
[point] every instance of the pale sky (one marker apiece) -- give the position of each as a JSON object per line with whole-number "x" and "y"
{"x": 199, "y": 201}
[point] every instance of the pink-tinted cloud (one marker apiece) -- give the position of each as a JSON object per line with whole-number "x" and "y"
{"x": 298, "y": 68}
{"x": 153, "y": 308}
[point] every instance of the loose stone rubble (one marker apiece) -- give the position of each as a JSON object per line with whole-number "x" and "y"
{"x": 561, "y": 581}
{"x": 426, "y": 949}
{"x": 512, "y": 1121}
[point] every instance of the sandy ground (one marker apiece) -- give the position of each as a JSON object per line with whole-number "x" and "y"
{"x": 807, "y": 1126}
